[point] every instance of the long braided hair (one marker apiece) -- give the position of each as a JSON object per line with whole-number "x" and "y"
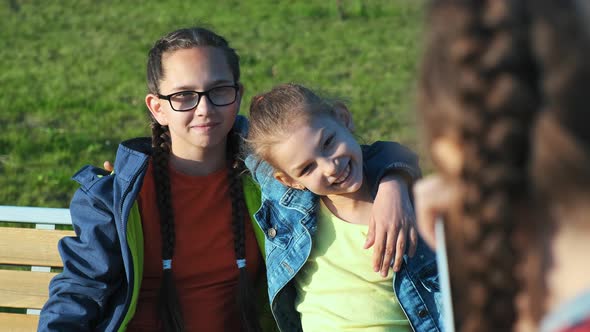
{"x": 492, "y": 70}
{"x": 169, "y": 306}
{"x": 479, "y": 83}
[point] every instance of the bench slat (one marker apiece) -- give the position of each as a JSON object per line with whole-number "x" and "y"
{"x": 18, "y": 322}
{"x": 36, "y": 215}
{"x": 31, "y": 290}
{"x": 27, "y": 246}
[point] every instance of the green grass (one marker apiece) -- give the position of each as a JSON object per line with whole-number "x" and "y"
{"x": 73, "y": 73}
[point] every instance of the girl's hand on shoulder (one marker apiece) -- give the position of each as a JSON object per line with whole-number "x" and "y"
{"x": 433, "y": 196}
{"x": 392, "y": 225}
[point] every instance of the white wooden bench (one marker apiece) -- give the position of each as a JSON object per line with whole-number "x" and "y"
{"x": 26, "y": 258}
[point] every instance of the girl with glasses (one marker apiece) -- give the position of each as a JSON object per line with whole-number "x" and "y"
{"x": 166, "y": 242}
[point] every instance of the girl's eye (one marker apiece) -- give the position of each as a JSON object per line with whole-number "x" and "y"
{"x": 185, "y": 95}
{"x": 328, "y": 142}
{"x": 305, "y": 170}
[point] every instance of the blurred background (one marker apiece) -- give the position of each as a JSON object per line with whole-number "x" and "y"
{"x": 73, "y": 73}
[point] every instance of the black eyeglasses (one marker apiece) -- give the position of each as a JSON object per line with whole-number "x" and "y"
{"x": 187, "y": 100}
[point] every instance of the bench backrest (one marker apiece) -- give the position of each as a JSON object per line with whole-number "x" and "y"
{"x": 27, "y": 256}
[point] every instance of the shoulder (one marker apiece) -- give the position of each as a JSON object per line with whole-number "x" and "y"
{"x": 131, "y": 158}
{"x": 130, "y": 164}
{"x": 572, "y": 315}
{"x": 88, "y": 176}
{"x": 241, "y": 125}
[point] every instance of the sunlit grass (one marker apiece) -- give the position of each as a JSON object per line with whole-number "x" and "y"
{"x": 73, "y": 73}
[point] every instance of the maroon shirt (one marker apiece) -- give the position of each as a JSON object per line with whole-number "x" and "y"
{"x": 204, "y": 262}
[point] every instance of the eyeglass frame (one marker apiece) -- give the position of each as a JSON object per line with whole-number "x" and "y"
{"x": 205, "y": 93}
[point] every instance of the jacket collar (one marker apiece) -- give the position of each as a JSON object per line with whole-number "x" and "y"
{"x": 303, "y": 201}
{"x": 131, "y": 156}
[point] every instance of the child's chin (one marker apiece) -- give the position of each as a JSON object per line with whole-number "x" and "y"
{"x": 352, "y": 188}
{"x": 356, "y": 185}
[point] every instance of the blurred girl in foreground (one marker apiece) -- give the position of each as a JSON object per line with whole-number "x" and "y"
{"x": 503, "y": 100}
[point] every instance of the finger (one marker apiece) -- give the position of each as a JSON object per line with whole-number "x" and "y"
{"x": 378, "y": 247}
{"x": 399, "y": 252}
{"x": 390, "y": 244}
{"x": 108, "y": 166}
{"x": 370, "y": 234}
{"x": 413, "y": 235}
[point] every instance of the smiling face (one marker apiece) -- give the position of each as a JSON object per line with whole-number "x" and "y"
{"x": 319, "y": 154}
{"x": 206, "y": 126}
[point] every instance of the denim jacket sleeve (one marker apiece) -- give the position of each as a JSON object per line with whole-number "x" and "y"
{"x": 93, "y": 269}
{"x": 383, "y": 158}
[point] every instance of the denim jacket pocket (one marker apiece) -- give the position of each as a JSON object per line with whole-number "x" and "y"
{"x": 277, "y": 232}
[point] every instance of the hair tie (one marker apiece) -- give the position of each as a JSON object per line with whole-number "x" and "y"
{"x": 241, "y": 263}
{"x": 258, "y": 99}
{"x": 166, "y": 264}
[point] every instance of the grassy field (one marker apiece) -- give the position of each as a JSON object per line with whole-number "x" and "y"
{"x": 73, "y": 73}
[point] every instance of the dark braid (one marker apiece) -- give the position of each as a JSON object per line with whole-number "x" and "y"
{"x": 478, "y": 68}
{"x": 511, "y": 78}
{"x": 245, "y": 297}
{"x": 169, "y": 305}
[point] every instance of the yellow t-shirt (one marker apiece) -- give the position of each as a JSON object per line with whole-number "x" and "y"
{"x": 337, "y": 289}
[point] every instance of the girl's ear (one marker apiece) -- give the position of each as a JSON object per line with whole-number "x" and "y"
{"x": 343, "y": 115}
{"x": 287, "y": 180}
{"x": 153, "y": 103}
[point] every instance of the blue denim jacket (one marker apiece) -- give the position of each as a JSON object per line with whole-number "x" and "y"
{"x": 288, "y": 218}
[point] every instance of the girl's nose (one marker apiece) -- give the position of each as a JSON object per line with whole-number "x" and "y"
{"x": 330, "y": 166}
{"x": 204, "y": 107}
